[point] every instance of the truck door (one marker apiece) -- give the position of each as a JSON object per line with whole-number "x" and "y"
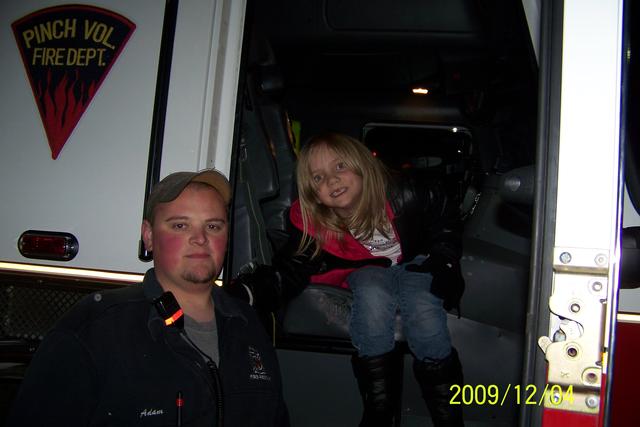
{"x": 166, "y": 101}
{"x": 575, "y": 263}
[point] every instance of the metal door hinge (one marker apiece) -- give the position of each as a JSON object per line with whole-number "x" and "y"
{"x": 575, "y": 347}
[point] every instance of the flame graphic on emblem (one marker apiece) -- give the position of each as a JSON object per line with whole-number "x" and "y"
{"x": 62, "y": 103}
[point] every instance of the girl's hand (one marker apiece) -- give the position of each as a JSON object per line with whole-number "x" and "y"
{"x": 447, "y": 283}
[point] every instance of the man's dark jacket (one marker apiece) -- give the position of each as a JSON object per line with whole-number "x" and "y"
{"x": 111, "y": 361}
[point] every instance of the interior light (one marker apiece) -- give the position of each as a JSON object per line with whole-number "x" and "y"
{"x": 420, "y": 91}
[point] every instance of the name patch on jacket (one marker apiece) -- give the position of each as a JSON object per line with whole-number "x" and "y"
{"x": 151, "y": 412}
{"x": 256, "y": 367}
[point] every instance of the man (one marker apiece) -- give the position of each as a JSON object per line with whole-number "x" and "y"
{"x": 174, "y": 351}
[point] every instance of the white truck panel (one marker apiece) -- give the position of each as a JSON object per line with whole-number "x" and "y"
{"x": 95, "y": 188}
{"x": 204, "y": 79}
{"x": 589, "y": 126}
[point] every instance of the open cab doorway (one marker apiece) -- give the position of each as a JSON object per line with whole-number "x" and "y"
{"x": 491, "y": 98}
{"x": 441, "y": 91}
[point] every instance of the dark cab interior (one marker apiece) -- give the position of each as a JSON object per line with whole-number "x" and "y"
{"x": 351, "y": 67}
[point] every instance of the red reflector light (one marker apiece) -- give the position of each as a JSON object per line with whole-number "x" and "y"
{"x": 50, "y": 245}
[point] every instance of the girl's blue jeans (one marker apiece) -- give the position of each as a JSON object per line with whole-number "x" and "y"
{"x": 378, "y": 294}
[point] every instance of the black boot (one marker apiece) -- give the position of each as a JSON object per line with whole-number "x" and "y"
{"x": 436, "y": 379}
{"x": 379, "y": 382}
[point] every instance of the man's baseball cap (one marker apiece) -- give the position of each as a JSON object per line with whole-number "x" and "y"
{"x": 170, "y": 187}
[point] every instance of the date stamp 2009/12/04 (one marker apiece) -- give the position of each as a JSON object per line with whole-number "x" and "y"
{"x": 493, "y": 395}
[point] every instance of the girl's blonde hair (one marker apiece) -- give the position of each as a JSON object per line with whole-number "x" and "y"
{"x": 370, "y": 213}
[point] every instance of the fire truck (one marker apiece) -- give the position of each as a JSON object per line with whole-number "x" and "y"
{"x": 525, "y": 110}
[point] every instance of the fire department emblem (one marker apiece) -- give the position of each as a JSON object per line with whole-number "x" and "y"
{"x": 67, "y": 52}
{"x": 256, "y": 368}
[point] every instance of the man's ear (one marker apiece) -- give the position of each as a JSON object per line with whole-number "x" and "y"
{"x": 147, "y": 235}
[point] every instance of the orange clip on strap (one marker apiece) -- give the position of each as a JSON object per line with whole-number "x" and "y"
{"x": 177, "y": 315}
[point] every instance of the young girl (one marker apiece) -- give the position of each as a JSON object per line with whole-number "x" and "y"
{"x": 389, "y": 241}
